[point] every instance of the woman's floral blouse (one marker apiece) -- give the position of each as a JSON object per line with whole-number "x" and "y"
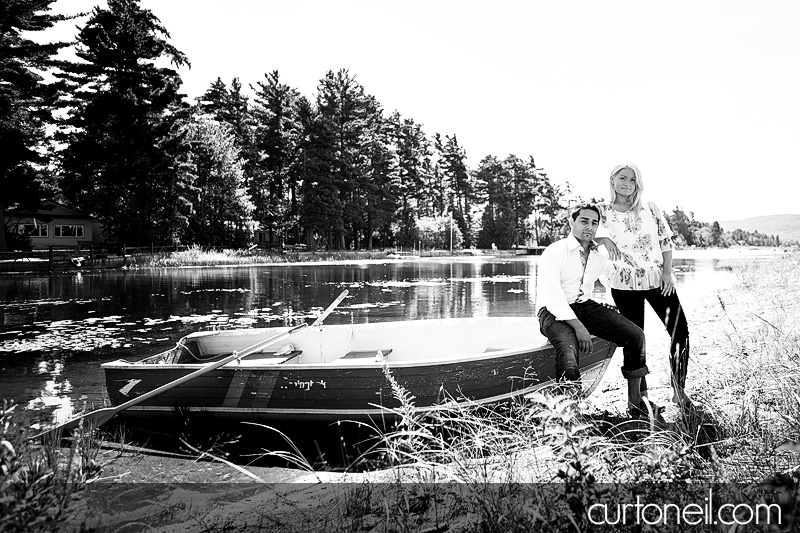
{"x": 641, "y": 238}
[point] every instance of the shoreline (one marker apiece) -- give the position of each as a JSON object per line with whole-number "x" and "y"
{"x": 737, "y": 252}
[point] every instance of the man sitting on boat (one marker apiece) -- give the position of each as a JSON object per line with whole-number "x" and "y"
{"x": 568, "y": 317}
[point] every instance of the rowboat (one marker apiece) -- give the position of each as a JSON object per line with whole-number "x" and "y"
{"x": 347, "y": 372}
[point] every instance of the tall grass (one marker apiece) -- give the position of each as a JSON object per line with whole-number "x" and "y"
{"x": 535, "y": 465}
{"x": 40, "y": 483}
{"x": 758, "y": 391}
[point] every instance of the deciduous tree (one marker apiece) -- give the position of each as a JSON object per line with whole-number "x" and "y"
{"x": 219, "y": 208}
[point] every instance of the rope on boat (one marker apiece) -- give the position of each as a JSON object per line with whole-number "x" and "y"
{"x": 181, "y": 344}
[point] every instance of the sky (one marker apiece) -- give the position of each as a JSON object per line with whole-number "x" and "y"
{"x": 704, "y": 96}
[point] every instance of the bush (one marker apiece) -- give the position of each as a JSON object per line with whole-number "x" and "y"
{"x": 16, "y": 241}
{"x": 40, "y": 483}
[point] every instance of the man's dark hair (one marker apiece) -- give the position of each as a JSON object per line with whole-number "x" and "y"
{"x": 590, "y": 207}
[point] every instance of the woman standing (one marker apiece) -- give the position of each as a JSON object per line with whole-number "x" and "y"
{"x": 640, "y": 246}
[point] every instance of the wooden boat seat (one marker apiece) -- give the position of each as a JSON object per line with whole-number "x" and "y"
{"x": 273, "y": 357}
{"x": 259, "y": 358}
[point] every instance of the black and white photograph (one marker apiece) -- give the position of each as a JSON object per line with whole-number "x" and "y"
{"x": 441, "y": 266}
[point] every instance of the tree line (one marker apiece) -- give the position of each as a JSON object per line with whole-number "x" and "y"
{"x": 110, "y": 134}
{"x": 690, "y": 232}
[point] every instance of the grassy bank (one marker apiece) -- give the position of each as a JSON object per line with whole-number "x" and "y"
{"x": 41, "y": 483}
{"x": 755, "y": 387}
{"x": 539, "y": 466}
{"x": 197, "y": 256}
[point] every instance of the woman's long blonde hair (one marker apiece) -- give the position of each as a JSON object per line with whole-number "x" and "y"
{"x": 636, "y": 197}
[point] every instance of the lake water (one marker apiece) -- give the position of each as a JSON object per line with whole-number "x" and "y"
{"x": 56, "y": 330}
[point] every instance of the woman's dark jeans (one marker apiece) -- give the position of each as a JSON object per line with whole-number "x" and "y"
{"x": 670, "y": 311}
{"x": 602, "y": 322}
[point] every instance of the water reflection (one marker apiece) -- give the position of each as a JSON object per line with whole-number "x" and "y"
{"x": 55, "y": 330}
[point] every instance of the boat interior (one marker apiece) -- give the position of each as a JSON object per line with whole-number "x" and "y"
{"x": 360, "y": 344}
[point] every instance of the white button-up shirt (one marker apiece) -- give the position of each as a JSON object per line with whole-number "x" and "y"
{"x": 561, "y": 277}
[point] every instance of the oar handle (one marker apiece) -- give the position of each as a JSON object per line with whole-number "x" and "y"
{"x": 330, "y": 308}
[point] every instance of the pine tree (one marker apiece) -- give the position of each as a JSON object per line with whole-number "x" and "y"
{"x": 320, "y": 205}
{"x": 343, "y": 108}
{"x": 414, "y": 175}
{"x": 458, "y": 183}
{"x": 25, "y": 105}
{"x": 376, "y": 190}
{"x": 525, "y": 186}
{"x": 118, "y": 160}
{"x": 496, "y": 179}
{"x": 215, "y": 100}
{"x": 276, "y": 177}
{"x": 549, "y": 212}
{"x": 716, "y": 234}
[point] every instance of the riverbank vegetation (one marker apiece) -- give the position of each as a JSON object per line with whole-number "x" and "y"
{"x": 333, "y": 171}
{"x": 40, "y": 483}
{"x": 198, "y": 256}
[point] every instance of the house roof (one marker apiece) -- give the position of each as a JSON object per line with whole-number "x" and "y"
{"x": 50, "y": 208}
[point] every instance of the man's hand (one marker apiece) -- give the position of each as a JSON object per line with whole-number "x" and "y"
{"x": 584, "y": 338}
{"x": 611, "y": 247}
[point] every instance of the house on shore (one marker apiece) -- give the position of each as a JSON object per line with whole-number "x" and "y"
{"x": 56, "y": 225}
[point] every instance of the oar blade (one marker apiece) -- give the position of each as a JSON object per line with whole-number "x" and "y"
{"x": 95, "y": 418}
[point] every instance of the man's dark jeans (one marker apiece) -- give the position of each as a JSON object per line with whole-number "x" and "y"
{"x": 602, "y": 322}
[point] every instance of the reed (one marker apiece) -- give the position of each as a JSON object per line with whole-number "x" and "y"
{"x": 757, "y": 391}
{"x": 41, "y": 482}
{"x": 524, "y": 466}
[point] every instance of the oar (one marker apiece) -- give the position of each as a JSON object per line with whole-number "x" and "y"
{"x": 318, "y": 322}
{"x": 101, "y": 416}
{"x": 330, "y": 308}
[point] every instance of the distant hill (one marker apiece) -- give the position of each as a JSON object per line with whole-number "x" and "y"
{"x": 787, "y": 227}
